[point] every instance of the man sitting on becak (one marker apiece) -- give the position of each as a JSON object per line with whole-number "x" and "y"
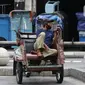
{"x": 44, "y": 41}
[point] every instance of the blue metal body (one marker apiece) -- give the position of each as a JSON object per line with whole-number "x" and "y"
{"x": 20, "y": 20}
{"x": 5, "y": 31}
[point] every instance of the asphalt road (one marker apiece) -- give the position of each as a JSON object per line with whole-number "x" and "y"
{"x": 75, "y": 63}
{"x": 11, "y": 80}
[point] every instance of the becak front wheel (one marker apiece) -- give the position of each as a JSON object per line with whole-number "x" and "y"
{"x": 19, "y": 73}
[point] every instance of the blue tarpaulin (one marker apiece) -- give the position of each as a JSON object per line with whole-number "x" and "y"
{"x": 81, "y": 21}
{"x": 51, "y": 17}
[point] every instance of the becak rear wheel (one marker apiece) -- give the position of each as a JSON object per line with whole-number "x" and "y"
{"x": 60, "y": 75}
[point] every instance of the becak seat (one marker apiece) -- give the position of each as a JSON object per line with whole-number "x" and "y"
{"x": 31, "y": 54}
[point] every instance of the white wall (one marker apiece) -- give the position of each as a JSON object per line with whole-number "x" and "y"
{"x": 29, "y": 5}
{"x": 18, "y": 0}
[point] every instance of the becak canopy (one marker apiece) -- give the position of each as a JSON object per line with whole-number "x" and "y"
{"x": 51, "y": 17}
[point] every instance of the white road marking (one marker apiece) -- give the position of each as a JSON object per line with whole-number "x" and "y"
{"x": 67, "y": 61}
{"x": 77, "y": 61}
{"x": 73, "y": 61}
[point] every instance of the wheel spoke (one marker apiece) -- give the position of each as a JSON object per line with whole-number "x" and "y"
{"x": 58, "y": 75}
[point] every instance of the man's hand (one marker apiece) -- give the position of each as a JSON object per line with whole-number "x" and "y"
{"x": 46, "y": 47}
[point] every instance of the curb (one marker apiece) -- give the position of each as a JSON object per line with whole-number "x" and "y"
{"x": 6, "y": 71}
{"x": 77, "y": 73}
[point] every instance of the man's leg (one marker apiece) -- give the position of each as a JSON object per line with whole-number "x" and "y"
{"x": 39, "y": 44}
{"x": 49, "y": 52}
